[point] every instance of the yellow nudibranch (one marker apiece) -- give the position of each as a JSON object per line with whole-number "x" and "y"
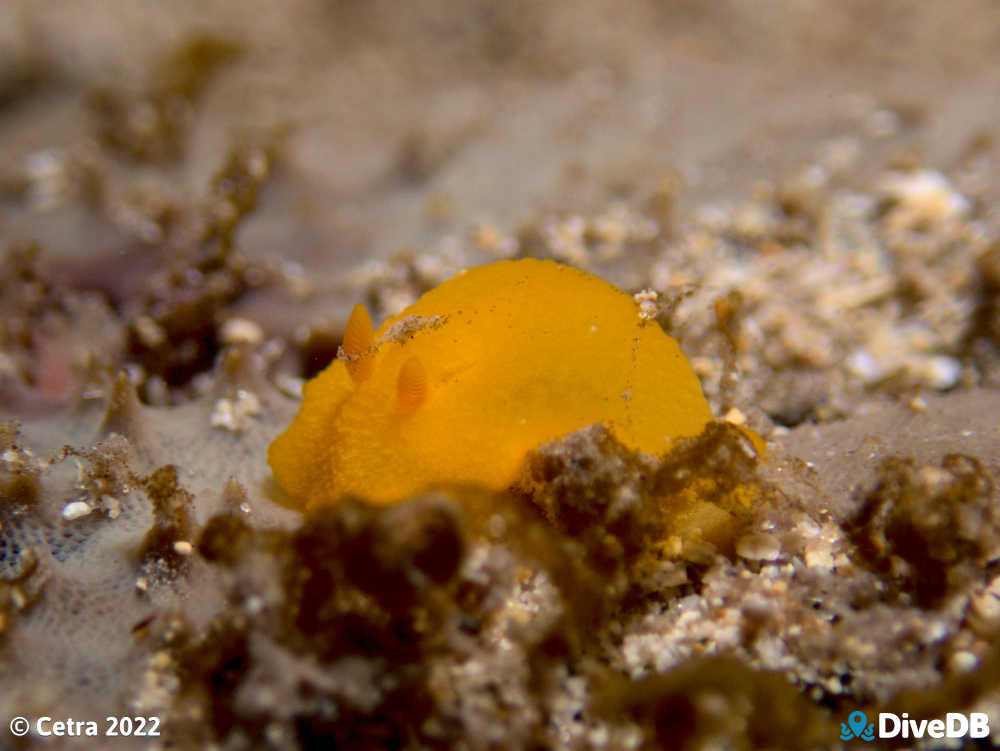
{"x": 460, "y": 386}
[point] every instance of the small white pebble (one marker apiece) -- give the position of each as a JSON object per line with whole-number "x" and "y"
{"x": 232, "y": 415}
{"x": 222, "y": 415}
{"x": 759, "y": 547}
{"x": 241, "y": 331}
{"x": 925, "y": 195}
{"x": 963, "y": 661}
{"x": 935, "y": 479}
{"x": 149, "y": 332}
{"x": 76, "y": 510}
{"x": 917, "y": 404}
{"x": 735, "y": 417}
{"x": 819, "y": 558}
{"x": 183, "y": 547}
{"x": 941, "y": 372}
{"x": 933, "y": 631}
{"x": 863, "y": 364}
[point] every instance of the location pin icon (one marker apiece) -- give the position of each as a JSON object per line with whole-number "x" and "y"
{"x": 857, "y": 721}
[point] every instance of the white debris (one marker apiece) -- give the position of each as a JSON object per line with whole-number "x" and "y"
{"x": 862, "y": 363}
{"x": 241, "y": 331}
{"x": 735, "y": 417}
{"x": 923, "y": 197}
{"x": 76, "y": 510}
{"x": 150, "y": 333}
{"x": 183, "y": 547}
{"x": 648, "y": 302}
{"x": 939, "y": 371}
{"x": 234, "y": 414}
{"x": 818, "y": 556}
{"x": 13, "y": 458}
{"x": 963, "y": 661}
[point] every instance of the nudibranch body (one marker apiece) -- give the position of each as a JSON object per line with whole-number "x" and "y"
{"x": 460, "y": 386}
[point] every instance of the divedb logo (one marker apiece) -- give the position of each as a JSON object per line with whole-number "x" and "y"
{"x": 954, "y": 725}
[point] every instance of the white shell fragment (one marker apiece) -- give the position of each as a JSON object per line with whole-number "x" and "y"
{"x": 234, "y": 414}
{"x": 76, "y": 510}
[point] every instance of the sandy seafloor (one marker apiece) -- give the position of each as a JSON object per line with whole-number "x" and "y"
{"x": 193, "y": 196}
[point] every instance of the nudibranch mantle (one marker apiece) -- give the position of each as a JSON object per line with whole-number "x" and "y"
{"x": 460, "y": 386}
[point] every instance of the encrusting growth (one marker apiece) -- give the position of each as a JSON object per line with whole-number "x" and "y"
{"x": 462, "y": 385}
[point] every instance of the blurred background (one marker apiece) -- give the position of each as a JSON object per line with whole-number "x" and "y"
{"x": 396, "y": 118}
{"x": 327, "y": 139}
